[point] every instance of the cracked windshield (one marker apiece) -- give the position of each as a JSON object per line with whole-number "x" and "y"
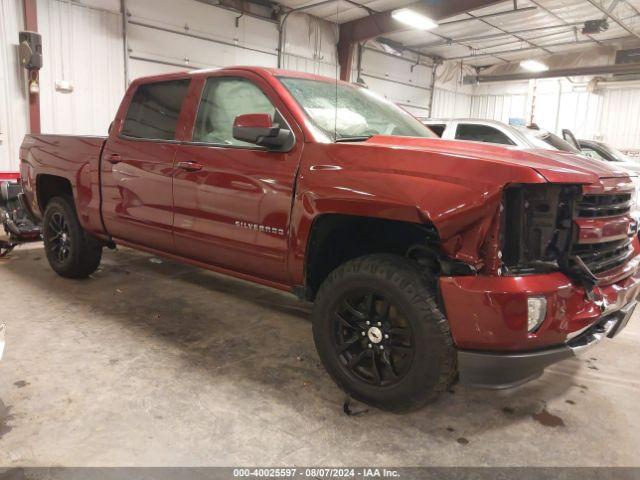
{"x": 358, "y": 113}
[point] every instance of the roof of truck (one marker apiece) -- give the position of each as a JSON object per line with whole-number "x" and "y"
{"x": 262, "y": 71}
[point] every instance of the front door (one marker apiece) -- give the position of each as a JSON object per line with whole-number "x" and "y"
{"x": 232, "y": 200}
{"x": 137, "y": 167}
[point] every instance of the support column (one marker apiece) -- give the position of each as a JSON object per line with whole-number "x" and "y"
{"x": 31, "y": 24}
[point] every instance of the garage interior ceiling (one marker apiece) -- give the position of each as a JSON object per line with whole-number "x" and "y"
{"x": 503, "y": 32}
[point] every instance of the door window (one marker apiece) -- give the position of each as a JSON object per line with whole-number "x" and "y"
{"x": 592, "y": 154}
{"x": 222, "y": 101}
{"x": 154, "y": 110}
{"x": 481, "y": 133}
{"x": 438, "y": 129}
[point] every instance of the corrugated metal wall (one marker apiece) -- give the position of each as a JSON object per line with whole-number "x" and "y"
{"x": 83, "y": 46}
{"x": 13, "y": 98}
{"x": 449, "y": 103}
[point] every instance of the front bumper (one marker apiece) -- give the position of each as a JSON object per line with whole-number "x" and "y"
{"x": 489, "y": 313}
{"x": 500, "y": 370}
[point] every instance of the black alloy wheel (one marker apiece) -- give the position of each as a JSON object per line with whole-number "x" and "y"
{"x": 59, "y": 238}
{"x": 372, "y": 338}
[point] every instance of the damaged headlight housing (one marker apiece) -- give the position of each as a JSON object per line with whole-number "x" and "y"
{"x": 536, "y": 312}
{"x": 536, "y": 228}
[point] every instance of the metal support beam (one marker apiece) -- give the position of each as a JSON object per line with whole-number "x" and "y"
{"x": 614, "y": 17}
{"x": 622, "y": 69}
{"x": 493, "y": 35}
{"x": 527, "y": 49}
{"x": 382, "y": 23}
{"x": 522, "y": 39}
{"x": 553, "y": 14}
{"x": 31, "y": 24}
{"x": 488, "y": 15}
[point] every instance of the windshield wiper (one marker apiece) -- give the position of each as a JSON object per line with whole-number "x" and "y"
{"x": 355, "y": 138}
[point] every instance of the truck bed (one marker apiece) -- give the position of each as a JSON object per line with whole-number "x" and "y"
{"x": 72, "y": 157}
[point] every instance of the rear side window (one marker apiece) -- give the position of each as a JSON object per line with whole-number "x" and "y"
{"x": 437, "y": 129}
{"x": 481, "y": 133}
{"x": 154, "y": 110}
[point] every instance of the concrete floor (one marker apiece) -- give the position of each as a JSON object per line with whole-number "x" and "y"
{"x": 152, "y": 363}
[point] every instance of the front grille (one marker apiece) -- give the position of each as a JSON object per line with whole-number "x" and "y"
{"x": 595, "y": 206}
{"x": 600, "y": 257}
{"x": 604, "y": 256}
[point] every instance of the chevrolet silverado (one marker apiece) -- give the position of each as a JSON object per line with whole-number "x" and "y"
{"x": 429, "y": 261}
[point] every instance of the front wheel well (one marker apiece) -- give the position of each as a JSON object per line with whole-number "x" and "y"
{"x": 50, "y": 186}
{"x": 336, "y": 238}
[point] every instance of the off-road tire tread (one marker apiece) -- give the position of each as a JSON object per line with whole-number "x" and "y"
{"x": 87, "y": 250}
{"x": 422, "y": 293}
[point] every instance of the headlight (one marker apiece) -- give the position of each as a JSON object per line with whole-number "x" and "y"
{"x": 536, "y": 312}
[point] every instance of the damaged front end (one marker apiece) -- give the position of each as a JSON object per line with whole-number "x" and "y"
{"x": 537, "y": 228}
{"x": 555, "y": 227}
{"x": 16, "y": 221}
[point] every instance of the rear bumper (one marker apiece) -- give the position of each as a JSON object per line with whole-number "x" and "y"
{"x": 506, "y": 370}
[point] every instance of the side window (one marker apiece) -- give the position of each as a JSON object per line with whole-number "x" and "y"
{"x": 481, "y": 133}
{"x": 154, "y": 110}
{"x": 592, "y": 154}
{"x": 223, "y": 99}
{"x": 438, "y": 129}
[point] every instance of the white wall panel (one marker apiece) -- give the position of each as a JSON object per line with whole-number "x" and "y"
{"x": 13, "y": 97}
{"x": 160, "y": 40}
{"x": 448, "y": 103}
{"x": 83, "y": 46}
{"x": 309, "y": 45}
{"x": 399, "y": 80}
{"x": 620, "y": 118}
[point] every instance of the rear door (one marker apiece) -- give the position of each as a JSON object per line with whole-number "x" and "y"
{"x": 137, "y": 165}
{"x": 233, "y": 199}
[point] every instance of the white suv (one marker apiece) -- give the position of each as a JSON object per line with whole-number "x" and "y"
{"x": 492, "y": 131}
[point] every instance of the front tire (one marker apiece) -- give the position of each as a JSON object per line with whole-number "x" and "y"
{"x": 70, "y": 251}
{"x": 381, "y": 335}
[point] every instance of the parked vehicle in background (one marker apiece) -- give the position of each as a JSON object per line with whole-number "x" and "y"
{"x": 605, "y": 153}
{"x": 427, "y": 260}
{"x": 493, "y": 131}
{"x": 602, "y": 151}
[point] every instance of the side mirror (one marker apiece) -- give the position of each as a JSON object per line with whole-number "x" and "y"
{"x": 259, "y": 129}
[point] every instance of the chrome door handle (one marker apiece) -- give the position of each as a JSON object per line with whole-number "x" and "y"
{"x": 190, "y": 166}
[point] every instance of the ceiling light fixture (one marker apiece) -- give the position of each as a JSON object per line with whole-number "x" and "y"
{"x": 533, "y": 66}
{"x": 413, "y": 19}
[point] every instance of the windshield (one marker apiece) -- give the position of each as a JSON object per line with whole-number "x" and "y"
{"x": 358, "y": 113}
{"x": 544, "y": 139}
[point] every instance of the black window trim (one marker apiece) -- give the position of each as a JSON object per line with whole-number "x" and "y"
{"x": 241, "y": 147}
{"x": 156, "y": 140}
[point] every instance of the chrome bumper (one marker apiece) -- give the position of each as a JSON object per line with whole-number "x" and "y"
{"x": 609, "y": 326}
{"x": 2, "y": 329}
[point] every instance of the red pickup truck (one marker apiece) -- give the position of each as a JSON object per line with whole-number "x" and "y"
{"x": 429, "y": 261}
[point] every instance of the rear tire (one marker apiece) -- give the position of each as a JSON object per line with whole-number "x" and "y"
{"x": 404, "y": 357}
{"x": 71, "y": 252}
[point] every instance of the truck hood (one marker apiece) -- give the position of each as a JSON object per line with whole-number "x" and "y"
{"x": 555, "y": 166}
